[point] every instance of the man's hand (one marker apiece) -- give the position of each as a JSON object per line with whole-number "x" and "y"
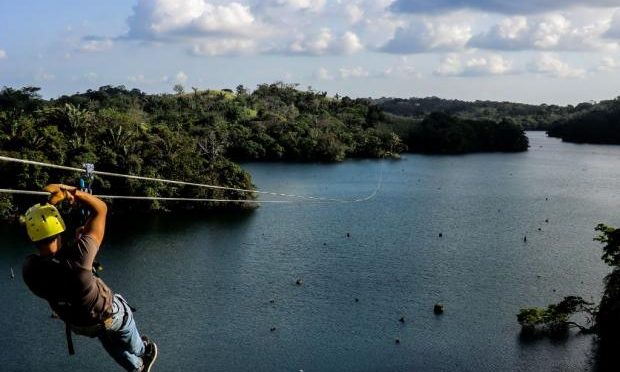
{"x": 59, "y": 192}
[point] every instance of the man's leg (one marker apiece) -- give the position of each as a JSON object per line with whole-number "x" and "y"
{"x": 122, "y": 341}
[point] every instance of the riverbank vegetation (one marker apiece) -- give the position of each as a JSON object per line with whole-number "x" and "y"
{"x": 530, "y": 117}
{"x": 440, "y": 133}
{"x": 200, "y": 135}
{"x": 573, "y": 311}
{"x": 599, "y": 123}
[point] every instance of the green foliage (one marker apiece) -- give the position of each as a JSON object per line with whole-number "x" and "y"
{"x": 555, "y": 319}
{"x": 608, "y": 317}
{"x": 530, "y": 117}
{"x": 445, "y": 134}
{"x": 599, "y": 123}
{"x": 192, "y": 136}
{"x": 609, "y": 236}
{"x": 603, "y": 319}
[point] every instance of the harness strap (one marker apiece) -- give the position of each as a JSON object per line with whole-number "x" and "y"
{"x": 69, "y": 339}
{"x": 126, "y": 310}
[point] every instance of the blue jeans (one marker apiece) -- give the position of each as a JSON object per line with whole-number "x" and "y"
{"x": 122, "y": 340}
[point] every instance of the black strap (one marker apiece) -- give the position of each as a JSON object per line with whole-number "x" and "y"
{"x": 69, "y": 339}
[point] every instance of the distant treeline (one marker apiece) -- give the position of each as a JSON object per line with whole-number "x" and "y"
{"x": 198, "y": 136}
{"x": 440, "y": 133}
{"x": 600, "y": 123}
{"x": 530, "y": 117}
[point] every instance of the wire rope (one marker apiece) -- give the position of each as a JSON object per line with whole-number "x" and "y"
{"x": 183, "y": 183}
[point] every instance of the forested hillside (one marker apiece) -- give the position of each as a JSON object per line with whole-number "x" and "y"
{"x": 199, "y": 136}
{"x": 600, "y": 123}
{"x": 195, "y": 137}
{"x": 530, "y": 117}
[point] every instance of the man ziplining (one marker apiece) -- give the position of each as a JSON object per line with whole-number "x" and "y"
{"x": 63, "y": 275}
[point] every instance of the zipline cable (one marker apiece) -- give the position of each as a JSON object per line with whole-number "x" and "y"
{"x": 45, "y": 193}
{"x": 110, "y": 174}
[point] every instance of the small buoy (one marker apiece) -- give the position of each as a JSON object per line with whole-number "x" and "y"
{"x": 272, "y": 301}
{"x": 357, "y": 300}
{"x": 440, "y": 235}
{"x": 547, "y": 220}
{"x": 402, "y": 319}
{"x": 324, "y": 243}
{"x": 438, "y": 309}
{"x": 397, "y": 340}
{"x": 299, "y": 282}
{"x": 539, "y": 229}
{"x": 272, "y": 329}
{"x": 348, "y": 235}
{"x": 546, "y": 198}
{"x": 524, "y": 238}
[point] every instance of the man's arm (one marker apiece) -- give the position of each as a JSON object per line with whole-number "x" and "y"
{"x": 95, "y": 225}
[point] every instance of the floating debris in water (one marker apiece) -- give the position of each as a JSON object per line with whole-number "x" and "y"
{"x": 299, "y": 281}
{"x": 348, "y": 235}
{"x": 539, "y": 229}
{"x": 438, "y": 309}
{"x": 547, "y": 220}
{"x": 441, "y": 235}
{"x": 272, "y": 329}
{"x": 397, "y": 340}
{"x": 357, "y": 299}
{"x": 402, "y": 319}
{"x": 12, "y": 274}
{"x": 272, "y": 301}
{"x": 525, "y": 238}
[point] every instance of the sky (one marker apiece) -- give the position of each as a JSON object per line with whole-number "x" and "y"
{"x": 531, "y": 51}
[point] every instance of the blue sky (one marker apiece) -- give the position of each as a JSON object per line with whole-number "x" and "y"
{"x": 534, "y": 51}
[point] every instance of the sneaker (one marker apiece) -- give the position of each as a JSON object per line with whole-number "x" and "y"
{"x": 150, "y": 354}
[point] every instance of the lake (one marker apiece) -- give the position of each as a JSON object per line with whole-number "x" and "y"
{"x": 210, "y": 290}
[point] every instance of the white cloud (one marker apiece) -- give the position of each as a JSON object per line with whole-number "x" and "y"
{"x": 613, "y": 30}
{"x": 450, "y": 66}
{"x": 354, "y": 12}
{"x": 90, "y": 76}
{"x": 319, "y": 44}
{"x": 90, "y": 45}
{"x": 323, "y": 74}
{"x": 181, "y": 77}
{"x": 43, "y": 75}
{"x": 3, "y": 54}
{"x": 492, "y": 65}
{"x": 499, "y": 6}
{"x": 224, "y": 46}
{"x": 551, "y": 65}
{"x": 136, "y": 79}
{"x": 165, "y": 19}
{"x": 324, "y": 42}
{"x": 350, "y": 43}
{"x": 548, "y": 32}
{"x": 303, "y": 5}
{"x": 404, "y": 68}
{"x": 429, "y": 35}
{"x": 354, "y": 72}
{"x": 608, "y": 64}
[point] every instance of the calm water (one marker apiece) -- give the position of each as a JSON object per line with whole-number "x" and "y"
{"x": 204, "y": 287}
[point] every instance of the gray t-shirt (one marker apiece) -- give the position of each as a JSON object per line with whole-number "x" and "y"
{"x": 67, "y": 282}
